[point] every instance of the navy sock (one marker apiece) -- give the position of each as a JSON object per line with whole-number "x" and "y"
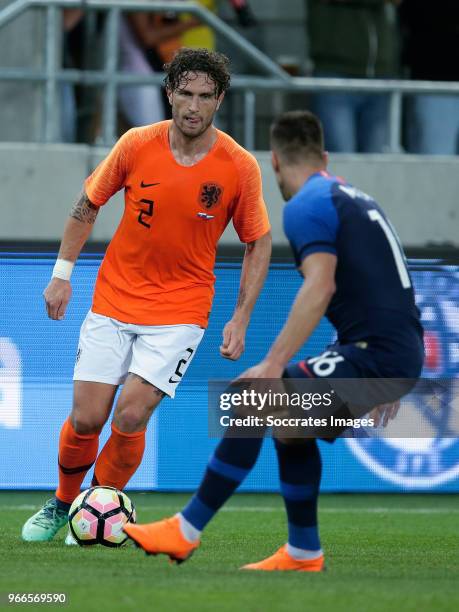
{"x": 231, "y": 462}
{"x": 300, "y": 470}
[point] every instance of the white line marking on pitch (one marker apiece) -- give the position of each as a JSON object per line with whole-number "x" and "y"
{"x": 377, "y": 510}
{"x": 358, "y": 510}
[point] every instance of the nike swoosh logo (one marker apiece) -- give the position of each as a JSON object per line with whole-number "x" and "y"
{"x": 173, "y": 382}
{"x": 143, "y": 185}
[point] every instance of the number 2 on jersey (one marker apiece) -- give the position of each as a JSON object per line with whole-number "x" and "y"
{"x": 394, "y": 244}
{"x": 145, "y": 213}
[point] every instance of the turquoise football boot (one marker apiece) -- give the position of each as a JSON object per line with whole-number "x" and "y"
{"x": 43, "y": 526}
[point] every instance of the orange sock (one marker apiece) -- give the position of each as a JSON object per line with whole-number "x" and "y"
{"x": 77, "y": 453}
{"x": 119, "y": 459}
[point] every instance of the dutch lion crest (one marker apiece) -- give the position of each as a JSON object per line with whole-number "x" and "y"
{"x": 210, "y": 195}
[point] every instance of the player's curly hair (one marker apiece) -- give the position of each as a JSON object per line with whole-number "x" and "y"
{"x": 214, "y": 64}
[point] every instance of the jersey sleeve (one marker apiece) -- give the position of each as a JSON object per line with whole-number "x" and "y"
{"x": 110, "y": 175}
{"x": 250, "y": 216}
{"x": 311, "y": 230}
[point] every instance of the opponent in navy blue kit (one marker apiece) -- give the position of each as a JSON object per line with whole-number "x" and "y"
{"x": 355, "y": 274}
{"x": 373, "y": 308}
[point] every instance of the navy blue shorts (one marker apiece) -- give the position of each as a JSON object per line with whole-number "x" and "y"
{"x": 351, "y": 371}
{"x": 331, "y": 363}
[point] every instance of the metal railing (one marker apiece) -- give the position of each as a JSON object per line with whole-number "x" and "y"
{"x": 276, "y": 81}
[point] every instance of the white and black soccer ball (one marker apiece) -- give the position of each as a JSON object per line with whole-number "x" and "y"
{"x": 98, "y": 515}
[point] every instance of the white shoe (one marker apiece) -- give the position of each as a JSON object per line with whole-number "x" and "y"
{"x": 70, "y": 540}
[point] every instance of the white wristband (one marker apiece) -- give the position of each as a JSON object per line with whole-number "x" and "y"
{"x": 63, "y": 269}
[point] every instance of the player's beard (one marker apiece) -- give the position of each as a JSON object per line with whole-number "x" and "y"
{"x": 180, "y": 122}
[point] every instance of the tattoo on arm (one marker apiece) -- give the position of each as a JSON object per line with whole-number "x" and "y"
{"x": 84, "y": 210}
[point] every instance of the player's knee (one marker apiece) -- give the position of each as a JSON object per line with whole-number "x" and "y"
{"x": 130, "y": 417}
{"x": 89, "y": 414}
{"x": 86, "y": 424}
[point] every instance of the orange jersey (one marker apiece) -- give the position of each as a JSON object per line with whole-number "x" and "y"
{"x": 158, "y": 268}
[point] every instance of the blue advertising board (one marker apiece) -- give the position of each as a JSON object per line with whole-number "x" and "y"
{"x": 36, "y": 364}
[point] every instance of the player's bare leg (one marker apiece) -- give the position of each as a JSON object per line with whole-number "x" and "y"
{"x": 92, "y": 405}
{"x": 136, "y": 404}
{"x": 123, "y": 452}
{"x": 78, "y": 445}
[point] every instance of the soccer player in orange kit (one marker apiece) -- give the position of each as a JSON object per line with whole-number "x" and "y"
{"x": 183, "y": 180}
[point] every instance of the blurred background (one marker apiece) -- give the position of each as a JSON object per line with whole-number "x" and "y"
{"x": 74, "y": 75}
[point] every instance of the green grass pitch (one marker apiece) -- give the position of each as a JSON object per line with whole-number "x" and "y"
{"x": 384, "y": 553}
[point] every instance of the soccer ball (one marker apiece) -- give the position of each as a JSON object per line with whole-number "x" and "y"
{"x": 98, "y": 515}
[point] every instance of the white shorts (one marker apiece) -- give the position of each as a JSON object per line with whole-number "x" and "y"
{"x": 108, "y": 350}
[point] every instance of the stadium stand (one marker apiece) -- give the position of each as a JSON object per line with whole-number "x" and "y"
{"x": 397, "y": 181}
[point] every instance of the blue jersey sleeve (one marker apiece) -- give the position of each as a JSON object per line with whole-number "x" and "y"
{"x": 311, "y": 229}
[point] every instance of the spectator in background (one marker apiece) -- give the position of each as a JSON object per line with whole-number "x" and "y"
{"x": 431, "y": 53}
{"x": 203, "y": 36}
{"x": 68, "y": 113}
{"x": 353, "y": 39}
{"x": 145, "y": 40}
{"x": 149, "y": 40}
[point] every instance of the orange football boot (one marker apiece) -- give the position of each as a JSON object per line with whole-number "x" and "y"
{"x": 281, "y": 561}
{"x": 163, "y": 537}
